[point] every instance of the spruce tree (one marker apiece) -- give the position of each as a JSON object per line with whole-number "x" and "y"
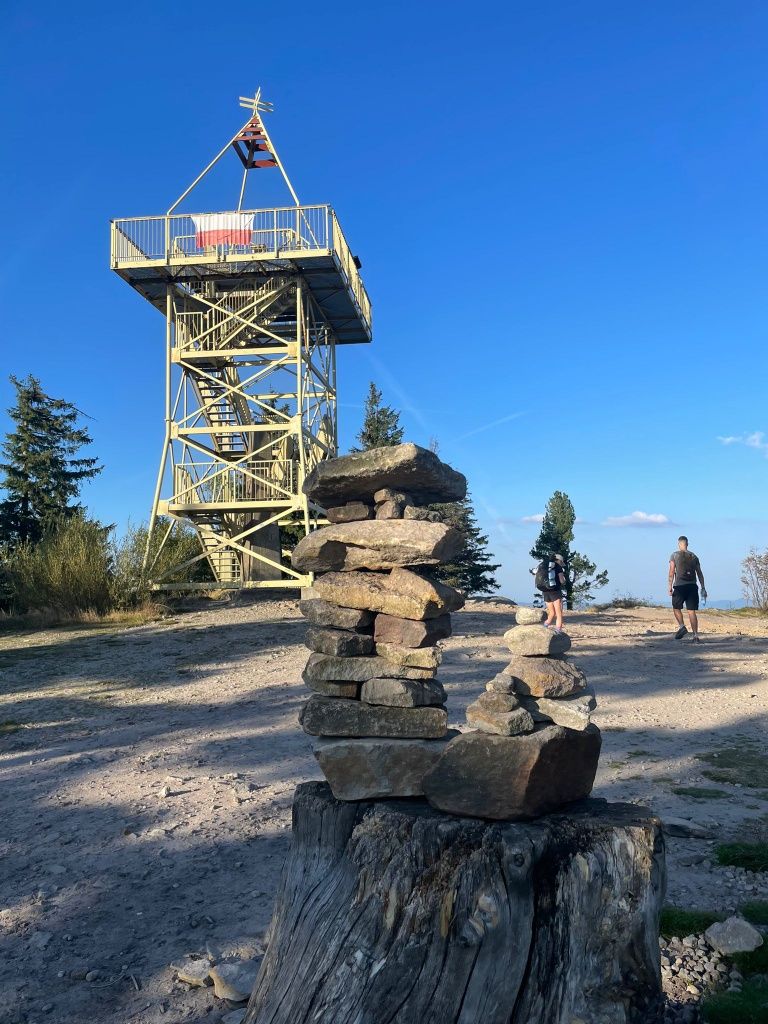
{"x": 43, "y": 471}
{"x": 555, "y": 537}
{"x": 381, "y": 424}
{"x": 472, "y": 571}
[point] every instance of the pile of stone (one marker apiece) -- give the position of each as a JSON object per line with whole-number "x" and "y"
{"x": 534, "y": 748}
{"x": 377, "y": 707}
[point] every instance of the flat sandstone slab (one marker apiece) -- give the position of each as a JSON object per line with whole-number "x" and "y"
{"x": 403, "y": 467}
{"x": 404, "y": 693}
{"x": 377, "y": 544}
{"x": 401, "y": 593}
{"x": 322, "y": 667}
{"x": 352, "y": 512}
{"x": 370, "y": 768}
{"x": 413, "y": 657}
{"x": 326, "y": 716}
{"x": 533, "y": 641}
{"x": 390, "y": 629}
{"x": 321, "y": 613}
{"x": 516, "y": 777}
{"x": 571, "y": 712}
{"x": 499, "y": 723}
{"x": 338, "y": 642}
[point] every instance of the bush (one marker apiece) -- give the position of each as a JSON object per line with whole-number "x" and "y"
{"x": 751, "y": 856}
{"x": 68, "y": 570}
{"x": 130, "y": 585}
{"x": 754, "y": 578}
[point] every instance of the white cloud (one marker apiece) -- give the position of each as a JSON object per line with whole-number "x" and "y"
{"x": 756, "y": 440}
{"x": 537, "y": 518}
{"x": 639, "y": 519}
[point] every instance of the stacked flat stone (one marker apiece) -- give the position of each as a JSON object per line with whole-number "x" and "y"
{"x": 534, "y": 748}
{"x": 377, "y": 709}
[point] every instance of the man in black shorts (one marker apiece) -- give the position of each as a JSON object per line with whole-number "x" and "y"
{"x": 684, "y": 569}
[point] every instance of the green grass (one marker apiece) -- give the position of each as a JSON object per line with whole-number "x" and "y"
{"x": 700, "y": 792}
{"x": 641, "y": 753}
{"x": 9, "y": 726}
{"x": 745, "y": 764}
{"x": 679, "y": 922}
{"x": 755, "y": 962}
{"x": 750, "y": 1006}
{"x": 752, "y": 856}
{"x": 755, "y": 911}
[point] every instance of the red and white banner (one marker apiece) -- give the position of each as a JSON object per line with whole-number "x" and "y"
{"x": 223, "y": 229}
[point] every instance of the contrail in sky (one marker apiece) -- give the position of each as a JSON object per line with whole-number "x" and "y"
{"x": 489, "y": 426}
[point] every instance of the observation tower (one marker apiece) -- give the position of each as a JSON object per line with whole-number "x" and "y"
{"x": 255, "y": 302}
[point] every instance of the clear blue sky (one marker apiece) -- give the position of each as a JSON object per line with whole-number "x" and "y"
{"x": 560, "y": 210}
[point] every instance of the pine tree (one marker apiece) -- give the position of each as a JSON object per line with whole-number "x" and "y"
{"x": 43, "y": 473}
{"x": 472, "y": 570}
{"x": 555, "y": 537}
{"x": 381, "y": 424}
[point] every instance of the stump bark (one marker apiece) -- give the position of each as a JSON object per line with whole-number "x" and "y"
{"x": 393, "y": 913}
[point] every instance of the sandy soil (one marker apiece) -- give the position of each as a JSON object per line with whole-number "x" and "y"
{"x": 146, "y": 798}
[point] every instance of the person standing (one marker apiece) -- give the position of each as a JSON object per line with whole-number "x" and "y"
{"x": 550, "y": 580}
{"x": 684, "y": 570}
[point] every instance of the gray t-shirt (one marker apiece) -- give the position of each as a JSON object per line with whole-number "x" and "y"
{"x": 686, "y": 564}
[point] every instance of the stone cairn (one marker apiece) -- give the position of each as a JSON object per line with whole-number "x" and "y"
{"x": 377, "y": 709}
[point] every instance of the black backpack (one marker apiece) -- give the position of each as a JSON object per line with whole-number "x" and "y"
{"x": 685, "y": 568}
{"x": 542, "y": 576}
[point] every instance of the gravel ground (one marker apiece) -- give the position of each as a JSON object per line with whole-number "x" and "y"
{"x": 147, "y": 791}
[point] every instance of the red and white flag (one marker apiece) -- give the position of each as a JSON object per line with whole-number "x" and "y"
{"x": 223, "y": 229}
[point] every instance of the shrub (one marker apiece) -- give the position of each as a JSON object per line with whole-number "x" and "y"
{"x": 754, "y": 578}
{"x": 130, "y": 585}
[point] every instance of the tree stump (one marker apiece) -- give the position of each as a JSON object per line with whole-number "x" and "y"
{"x": 394, "y": 913}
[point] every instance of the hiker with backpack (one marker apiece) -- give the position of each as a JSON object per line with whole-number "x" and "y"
{"x": 684, "y": 570}
{"x": 550, "y": 580}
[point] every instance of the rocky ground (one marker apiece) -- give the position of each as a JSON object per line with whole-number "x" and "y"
{"x": 147, "y": 777}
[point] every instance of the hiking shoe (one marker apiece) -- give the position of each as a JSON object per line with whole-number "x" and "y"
{"x": 680, "y": 633}
{"x": 695, "y": 639}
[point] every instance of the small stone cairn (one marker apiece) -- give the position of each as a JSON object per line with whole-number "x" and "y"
{"x": 377, "y": 709}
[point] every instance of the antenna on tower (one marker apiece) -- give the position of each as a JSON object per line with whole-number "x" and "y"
{"x": 253, "y": 146}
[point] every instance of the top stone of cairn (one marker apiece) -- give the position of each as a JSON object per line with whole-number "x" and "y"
{"x": 404, "y": 467}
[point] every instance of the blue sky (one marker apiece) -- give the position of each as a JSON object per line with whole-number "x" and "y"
{"x": 560, "y": 210}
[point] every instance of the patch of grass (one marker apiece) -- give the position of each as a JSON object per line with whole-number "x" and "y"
{"x": 745, "y": 764}
{"x": 752, "y": 856}
{"x": 626, "y": 601}
{"x": 617, "y": 764}
{"x": 641, "y": 753}
{"x": 9, "y": 726}
{"x": 755, "y": 911}
{"x": 755, "y": 962}
{"x": 700, "y": 792}
{"x": 750, "y": 1006}
{"x": 680, "y": 922}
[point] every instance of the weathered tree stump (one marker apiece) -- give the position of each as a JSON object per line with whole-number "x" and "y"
{"x": 392, "y": 912}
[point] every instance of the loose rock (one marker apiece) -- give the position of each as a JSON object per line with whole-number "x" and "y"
{"x": 322, "y": 613}
{"x": 525, "y": 616}
{"x": 545, "y": 677}
{"x": 533, "y": 641}
{"x": 193, "y": 972}
{"x": 516, "y": 777}
{"x": 419, "y": 657}
{"x": 421, "y": 514}
{"x": 734, "y": 935}
{"x": 338, "y": 642}
{"x": 359, "y": 769}
{"x": 328, "y": 688}
{"x": 403, "y": 693}
{"x": 406, "y": 467}
{"x": 401, "y": 593}
{"x": 352, "y": 512}
{"x": 324, "y": 716}
{"x": 410, "y": 633}
{"x": 375, "y": 545}
{"x": 500, "y": 723}
{"x": 499, "y": 702}
{"x": 234, "y": 981}
{"x": 570, "y": 712}
{"x": 326, "y": 668}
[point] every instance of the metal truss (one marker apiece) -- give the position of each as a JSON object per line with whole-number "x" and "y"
{"x": 250, "y": 410}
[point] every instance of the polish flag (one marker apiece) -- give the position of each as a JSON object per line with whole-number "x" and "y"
{"x": 223, "y": 229}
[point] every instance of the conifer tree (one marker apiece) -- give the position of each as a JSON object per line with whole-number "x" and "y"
{"x": 555, "y": 537}
{"x": 381, "y": 424}
{"x": 43, "y": 472}
{"x": 472, "y": 571}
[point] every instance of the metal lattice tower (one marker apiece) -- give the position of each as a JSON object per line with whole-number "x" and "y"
{"x": 255, "y": 302}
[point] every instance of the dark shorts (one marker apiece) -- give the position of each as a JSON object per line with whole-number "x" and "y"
{"x": 549, "y": 596}
{"x": 686, "y": 594}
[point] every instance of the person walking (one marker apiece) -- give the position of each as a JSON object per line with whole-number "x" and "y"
{"x": 684, "y": 570}
{"x": 550, "y": 580}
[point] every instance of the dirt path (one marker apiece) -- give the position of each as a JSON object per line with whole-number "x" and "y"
{"x": 146, "y": 797}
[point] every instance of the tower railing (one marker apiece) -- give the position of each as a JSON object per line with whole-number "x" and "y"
{"x": 235, "y": 235}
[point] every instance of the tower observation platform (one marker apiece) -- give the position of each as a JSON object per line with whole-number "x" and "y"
{"x": 255, "y": 302}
